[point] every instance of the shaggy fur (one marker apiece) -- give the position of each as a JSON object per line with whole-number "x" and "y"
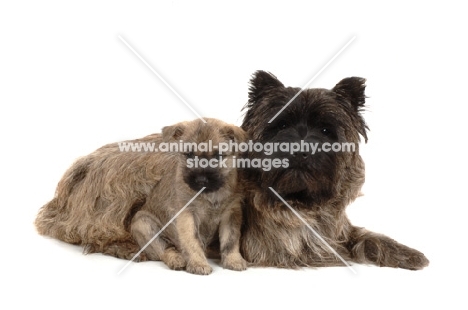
{"x": 318, "y": 186}
{"x": 114, "y": 202}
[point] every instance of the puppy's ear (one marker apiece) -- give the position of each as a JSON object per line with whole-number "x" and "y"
{"x": 173, "y": 132}
{"x": 352, "y": 90}
{"x": 233, "y": 133}
{"x": 260, "y": 83}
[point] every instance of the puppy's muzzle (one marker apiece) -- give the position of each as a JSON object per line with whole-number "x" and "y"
{"x": 209, "y": 178}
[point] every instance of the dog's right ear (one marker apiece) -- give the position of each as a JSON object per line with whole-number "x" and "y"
{"x": 260, "y": 83}
{"x": 173, "y": 132}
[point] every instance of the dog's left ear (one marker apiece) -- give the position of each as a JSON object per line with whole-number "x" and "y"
{"x": 173, "y": 132}
{"x": 234, "y": 133}
{"x": 352, "y": 90}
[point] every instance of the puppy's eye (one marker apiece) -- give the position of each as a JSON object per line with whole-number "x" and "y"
{"x": 189, "y": 155}
{"x": 217, "y": 155}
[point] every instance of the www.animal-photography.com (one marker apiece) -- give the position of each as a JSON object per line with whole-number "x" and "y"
{"x": 237, "y": 155}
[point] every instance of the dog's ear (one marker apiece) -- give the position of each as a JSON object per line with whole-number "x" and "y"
{"x": 234, "y": 133}
{"x": 352, "y": 90}
{"x": 260, "y": 83}
{"x": 173, "y": 132}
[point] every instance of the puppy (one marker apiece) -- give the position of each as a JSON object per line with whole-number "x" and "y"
{"x": 318, "y": 186}
{"x": 115, "y": 200}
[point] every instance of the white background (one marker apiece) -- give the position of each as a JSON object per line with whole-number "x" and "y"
{"x": 68, "y": 85}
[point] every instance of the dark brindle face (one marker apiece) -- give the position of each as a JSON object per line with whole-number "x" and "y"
{"x": 316, "y": 116}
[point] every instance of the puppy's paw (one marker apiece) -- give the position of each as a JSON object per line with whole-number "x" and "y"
{"x": 174, "y": 259}
{"x": 176, "y": 263}
{"x": 234, "y": 262}
{"x": 199, "y": 268}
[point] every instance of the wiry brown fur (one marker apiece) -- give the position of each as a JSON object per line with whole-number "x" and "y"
{"x": 318, "y": 187}
{"x": 114, "y": 202}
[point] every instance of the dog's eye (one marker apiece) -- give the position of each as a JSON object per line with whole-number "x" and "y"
{"x": 326, "y": 131}
{"x": 189, "y": 155}
{"x": 217, "y": 155}
{"x": 282, "y": 125}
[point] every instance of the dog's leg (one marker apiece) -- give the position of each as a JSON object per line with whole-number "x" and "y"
{"x": 371, "y": 248}
{"x": 145, "y": 226}
{"x": 229, "y": 236}
{"x": 173, "y": 259}
{"x": 125, "y": 249}
{"x": 190, "y": 245}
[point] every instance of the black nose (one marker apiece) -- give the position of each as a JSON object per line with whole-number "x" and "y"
{"x": 301, "y": 155}
{"x": 211, "y": 179}
{"x": 201, "y": 180}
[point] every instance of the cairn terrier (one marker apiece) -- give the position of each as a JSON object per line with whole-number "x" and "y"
{"x": 115, "y": 201}
{"x": 318, "y": 186}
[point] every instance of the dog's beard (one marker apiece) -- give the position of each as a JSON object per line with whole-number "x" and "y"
{"x": 287, "y": 181}
{"x": 308, "y": 184}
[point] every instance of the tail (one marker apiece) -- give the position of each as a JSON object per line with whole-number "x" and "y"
{"x": 51, "y": 221}
{"x": 53, "y": 217}
{"x": 45, "y": 220}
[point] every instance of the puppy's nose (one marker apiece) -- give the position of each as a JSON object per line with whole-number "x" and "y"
{"x": 201, "y": 180}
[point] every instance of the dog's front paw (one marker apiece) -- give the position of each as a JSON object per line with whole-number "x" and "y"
{"x": 386, "y": 252}
{"x": 199, "y": 268}
{"x": 176, "y": 263}
{"x": 174, "y": 259}
{"x": 234, "y": 262}
{"x": 413, "y": 260}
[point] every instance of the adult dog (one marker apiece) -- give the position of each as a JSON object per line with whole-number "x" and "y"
{"x": 318, "y": 186}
